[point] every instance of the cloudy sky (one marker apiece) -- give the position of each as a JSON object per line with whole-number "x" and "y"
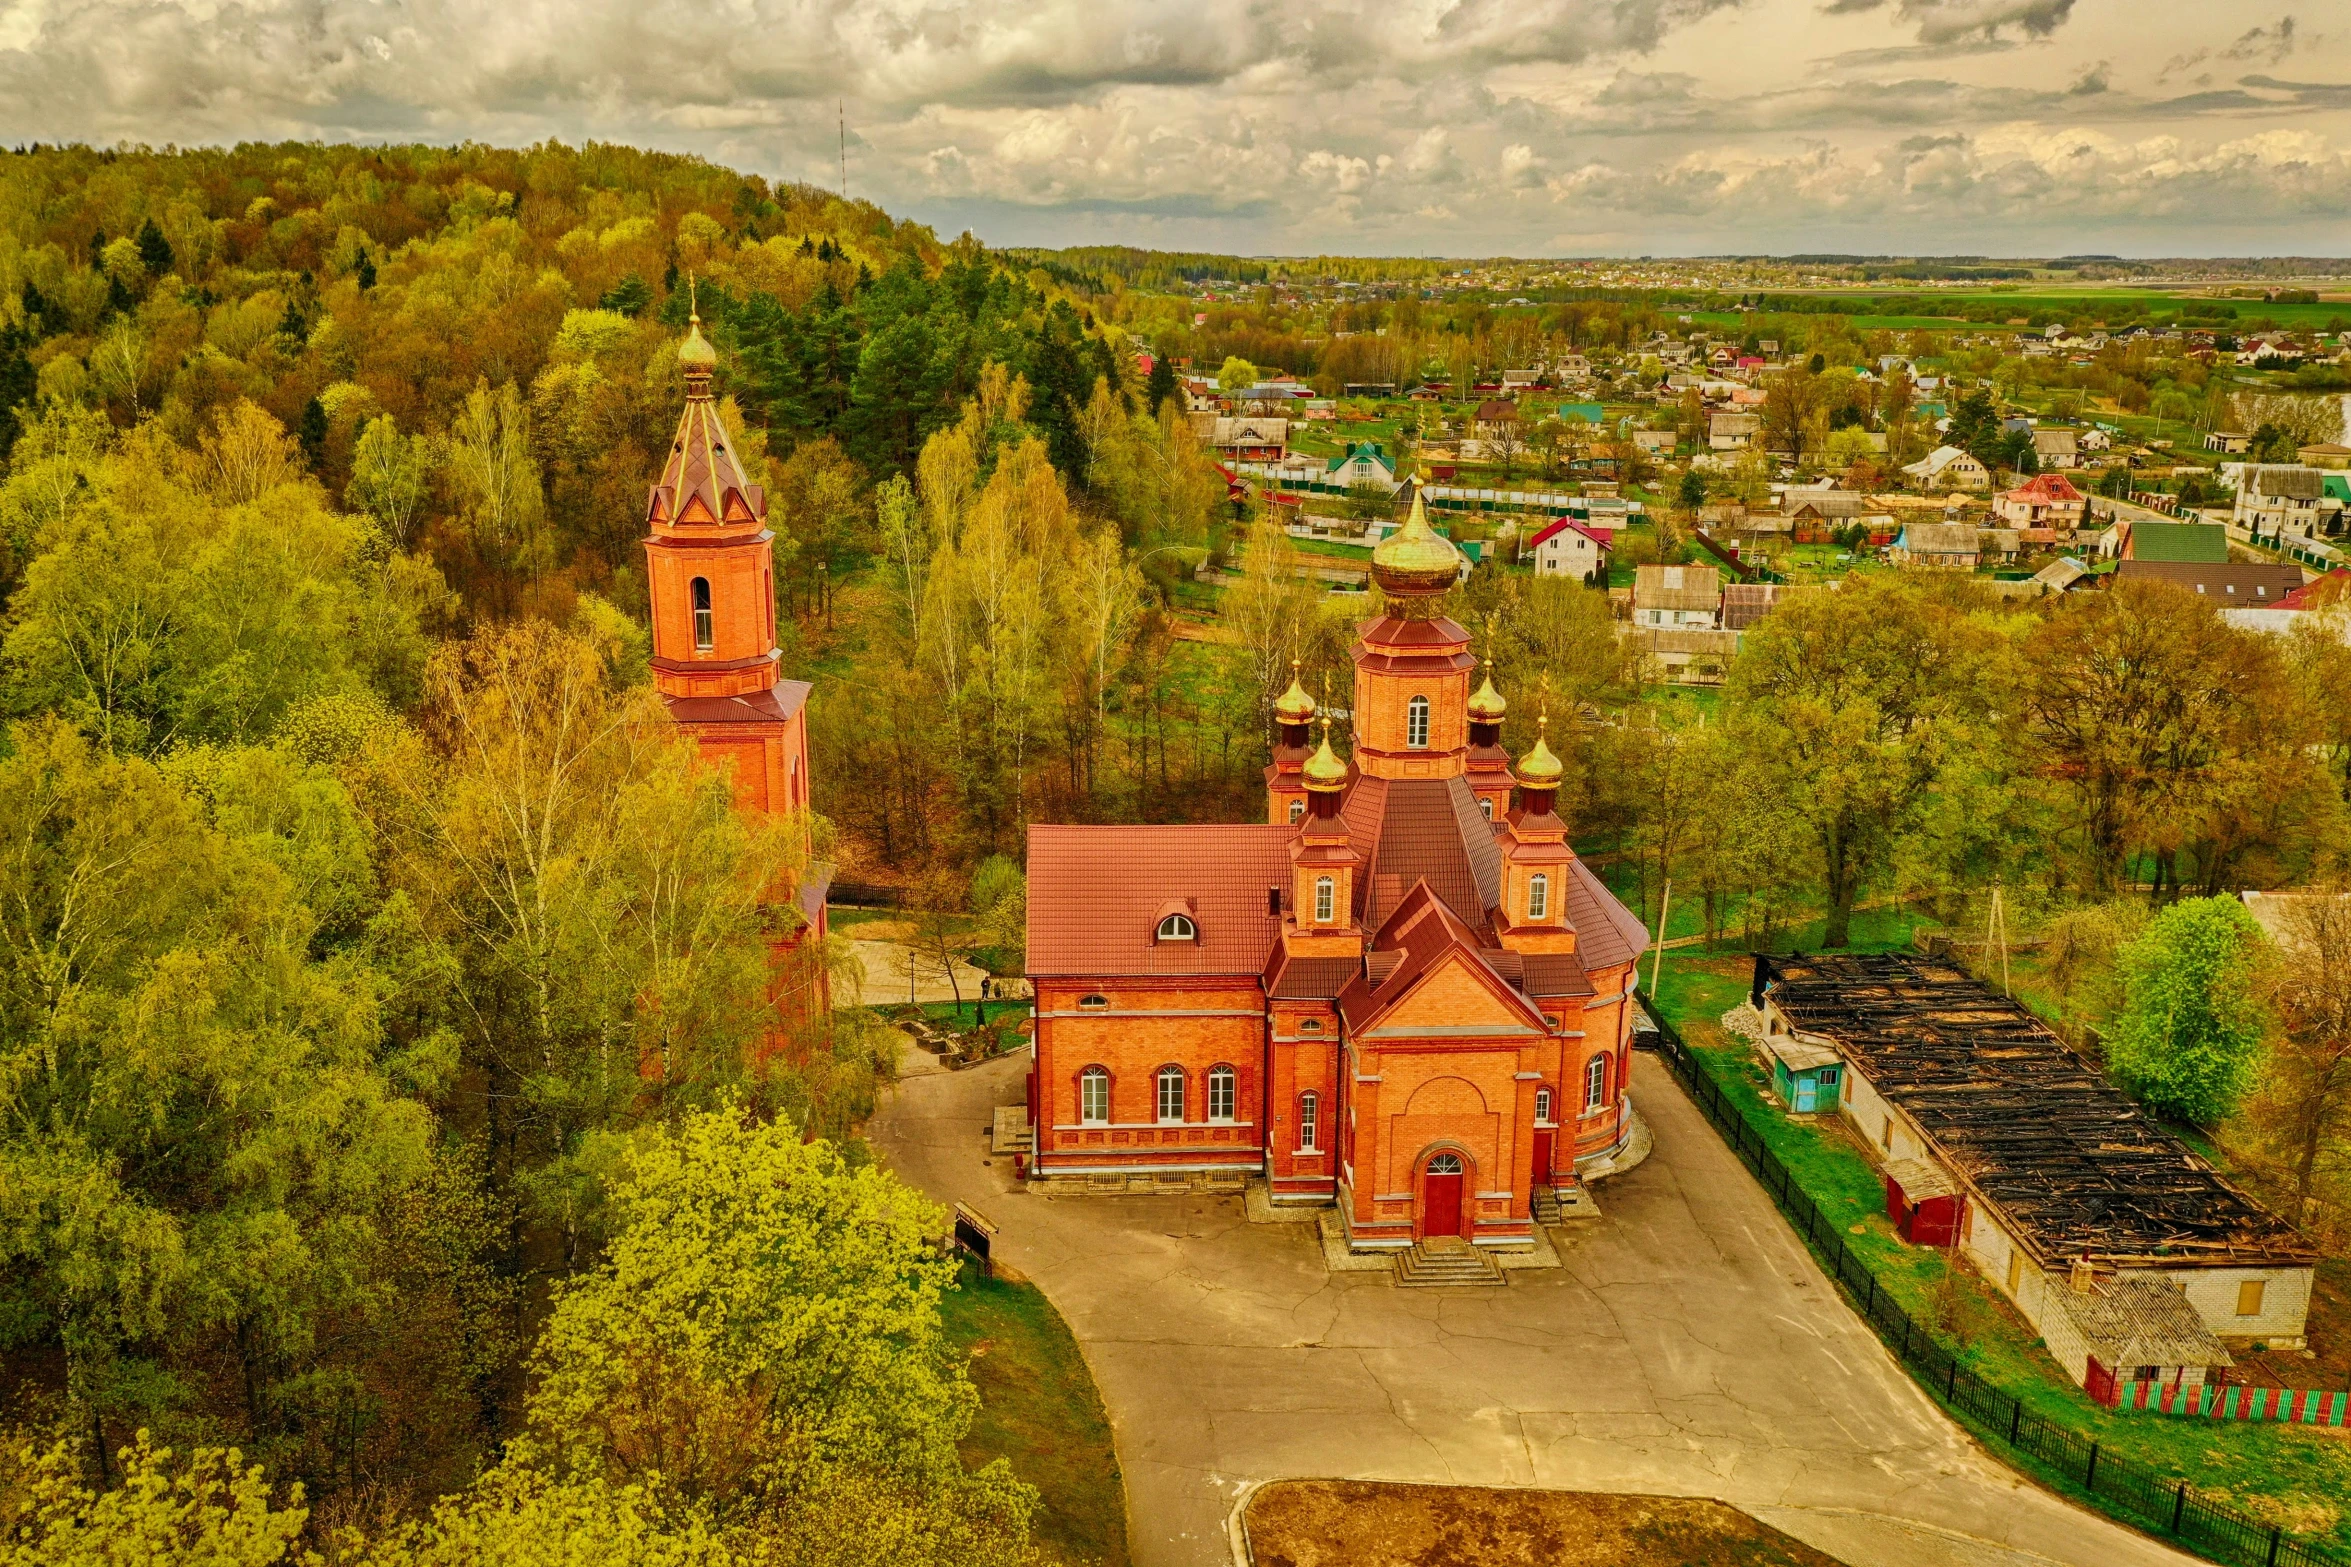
{"x": 1454, "y": 127}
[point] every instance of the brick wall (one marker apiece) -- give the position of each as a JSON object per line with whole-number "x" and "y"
{"x": 1148, "y": 1024}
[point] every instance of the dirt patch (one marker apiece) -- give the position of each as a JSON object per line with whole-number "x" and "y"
{"x": 1350, "y": 1523}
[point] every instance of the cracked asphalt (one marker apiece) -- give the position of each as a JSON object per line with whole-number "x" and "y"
{"x": 1688, "y": 1346}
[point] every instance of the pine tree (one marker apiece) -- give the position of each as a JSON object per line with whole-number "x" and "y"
{"x": 154, "y": 250}
{"x": 19, "y": 383}
{"x": 366, "y": 271}
{"x": 629, "y": 296}
{"x": 312, "y": 433}
{"x": 1162, "y": 384}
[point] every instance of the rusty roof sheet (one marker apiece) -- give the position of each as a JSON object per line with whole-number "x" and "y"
{"x": 1095, "y": 893}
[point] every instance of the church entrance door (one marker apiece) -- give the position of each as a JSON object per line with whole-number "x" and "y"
{"x": 1440, "y": 1190}
{"x": 1543, "y": 1137}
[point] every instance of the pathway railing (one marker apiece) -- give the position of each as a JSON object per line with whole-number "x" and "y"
{"x": 2128, "y": 1489}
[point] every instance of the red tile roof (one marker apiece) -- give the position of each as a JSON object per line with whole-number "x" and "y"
{"x": 773, "y": 706}
{"x": 1095, "y": 892}
{"x": 1565, "y": 525}
{"x": 1607, "y": 933}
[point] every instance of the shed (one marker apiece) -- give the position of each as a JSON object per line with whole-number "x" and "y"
{"x": 1924, "y": 1202}
{"x": 2133, "y": 1328}
{"x": 1806, "y": 1071}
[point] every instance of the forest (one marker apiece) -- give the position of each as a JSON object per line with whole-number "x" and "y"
{"x": 380, "y": 977}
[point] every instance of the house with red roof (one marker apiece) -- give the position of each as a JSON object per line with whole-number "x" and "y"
{"x": 1570, "y": 549}
{"x": 1403, "y": 995}
{"x": 2046, "y": 500}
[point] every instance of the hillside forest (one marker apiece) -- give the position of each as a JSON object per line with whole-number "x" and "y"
{"x": 380, "y": 976}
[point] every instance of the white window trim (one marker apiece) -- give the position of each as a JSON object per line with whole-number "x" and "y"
{"x": 1326, "y": 899}
{"x": 1416, "y": 723}
{"x": 1159, "y": 1085}
{"x": 1596, "y": 1084}
{"x": 1086, "y": 1081}
{"x": 1539, "y": 896}
{"x": 1230, "y": 1081}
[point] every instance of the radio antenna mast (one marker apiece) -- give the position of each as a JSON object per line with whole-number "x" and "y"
{"x": 841, "y": 106}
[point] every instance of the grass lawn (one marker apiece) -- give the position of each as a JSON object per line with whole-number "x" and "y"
{"x": 2295, "y": 1476}
{"x": 1039, "y": 1410}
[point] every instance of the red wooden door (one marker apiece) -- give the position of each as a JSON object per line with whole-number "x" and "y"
{"x": 1441, "y": 1197}
{"x": 1543, "y": 1136}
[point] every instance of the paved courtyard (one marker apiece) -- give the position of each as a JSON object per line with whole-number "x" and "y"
{"x": 1689, "y": 1346}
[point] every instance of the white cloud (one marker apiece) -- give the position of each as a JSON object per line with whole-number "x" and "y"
{"x": 1424, "y": 124}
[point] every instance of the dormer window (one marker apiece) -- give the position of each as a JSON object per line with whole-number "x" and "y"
{"x": 1326, "y": 899}
{"x": 1178, "y": 927}
{"x": 1538, "y": 896}
{"x": 1416, "y": 723}
{"x": 704, "y": 638}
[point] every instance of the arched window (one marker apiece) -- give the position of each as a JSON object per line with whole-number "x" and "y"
{"x": 1178, "y": 927}
{"x": 1542, "y": 1106}
{"x": 1416, "y": 722}
{"x": 1326, "y": 899}
{"x": 1445, "y": 1164}
{"x": 1221, "y": 1085}
{"x": 704, "y": 639}
{"x": 1171, "y": 1093}
{"x": 1094, "y": 1096}
{"x": 1596, "y": 1084}
{"x": 1538, "y": 896}
{"x": 1297, "y": 809}
{"x": 1312, "y": 1025}
{"x": 1093, "y": 1003}
{"x": 1309, "y": 1122}
{"x": 1486, "y": 806}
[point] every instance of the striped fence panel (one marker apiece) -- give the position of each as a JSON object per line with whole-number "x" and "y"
{"x": 2306, "y": 1406}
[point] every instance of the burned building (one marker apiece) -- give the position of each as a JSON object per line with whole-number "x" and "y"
{"x": 2076, "y": 1204}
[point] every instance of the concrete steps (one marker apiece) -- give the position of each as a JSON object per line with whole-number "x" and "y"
{"x": 1444, "y": 1263}
{"x": 1547, "y": 1209}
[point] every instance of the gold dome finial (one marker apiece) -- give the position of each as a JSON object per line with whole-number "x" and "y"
{"x": 1415, "y": 561}
{"x": 1294, "y": 706}
{"x": 695, "y": 353}
{"x": 1325, "y": 773}
{"x": 1539, "y": 769}
{"x": 1487, "y": 706}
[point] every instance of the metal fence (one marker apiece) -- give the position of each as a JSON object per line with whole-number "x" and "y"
{"x": 2129, "y": 1490}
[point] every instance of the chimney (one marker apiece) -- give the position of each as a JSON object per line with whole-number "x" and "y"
{"x": 2084, "y": 1277}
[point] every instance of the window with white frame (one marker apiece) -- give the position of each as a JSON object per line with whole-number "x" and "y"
{"x": 1178, "y": 927}
{"x": 1093, "y": 1003}
{"x": 1309, "y": 1122}
{"x": 1486, "y": 805}
{"x": 1221, "y": 1083}
{"x": 1297, "y": 809}
{"x": 1542, "y": 1106}
{"x": 1596, "y": 1084}
{"x": 1094, "y": 1096}
{"x": 1538, "y": 896}
{"x": 1416, "y": 722}
{"x": 1326, "y": 899}
{"x": 704, "y": 634}
{"x": 1171, "y": 1093}
{"x": 1312, "y": 1025}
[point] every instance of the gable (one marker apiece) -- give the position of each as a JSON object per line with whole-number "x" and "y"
{"x": 1454, "y": 998}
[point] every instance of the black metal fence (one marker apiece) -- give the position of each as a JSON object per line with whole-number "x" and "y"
{"x": 2129, "y": 1490}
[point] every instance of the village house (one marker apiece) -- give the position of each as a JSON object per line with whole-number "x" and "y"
{"x": 1728, "y": 432}
{"x": 2324, "y": 454}
{"x": 1364, "y": 462}
{"x": 2275, "y": 499}
{"x": 2135, "y": 1260}
{"x": 1403, "y": 995}
{"x": 1496, "y": 418}
{"x": 2232, "y": 442}
{"x": 2233, "y": 584}
{"x": 1949, "y": 468}
{"x": 2057, "y": 448}
{"x": 1655, "y": 443}
{"x": 1682, "y": 597}
{"x": 1254, "y": 438}
{"x": 1953, "y": 546}
{"x": 1567, "y": 548}
{"x": 2045, "y": 501}
{"x": 2199, "y": 543}
{"x": 1815, "y": 515}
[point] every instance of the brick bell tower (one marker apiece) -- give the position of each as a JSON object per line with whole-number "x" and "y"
{"x": 710, "y": 569}
{"x": 1412, "y": 664}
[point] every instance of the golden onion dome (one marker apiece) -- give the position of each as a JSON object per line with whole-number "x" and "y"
{"x": 1415, "y": 560}
{"x": 1539, "y": 769}
{"x": 1325, "y": 773}
{"x": 1487, "y": 706}
{"x": 695, "y": 352}
{"x": 1294, "y": 706}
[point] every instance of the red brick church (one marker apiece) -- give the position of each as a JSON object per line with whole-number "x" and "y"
{"x": 1403, "y": 993}
{"x": 710, "y": 569}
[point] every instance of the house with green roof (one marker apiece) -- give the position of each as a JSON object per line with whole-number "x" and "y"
{"x": 1363, "y": 462}
{"x": 1590, "y": 413}
{"x": 2188, "y": 543}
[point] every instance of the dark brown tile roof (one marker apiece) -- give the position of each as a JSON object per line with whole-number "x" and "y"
{"x": 1423, "y": 829}
{"x": 1308, "y": 979}
{"x": 2236, "y": 584}
{"x": 1607, "y": 933}
{"x": 753, "y": 707}
{"x": 1556, "y": 974}
{"x": 1095, "y": 894}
